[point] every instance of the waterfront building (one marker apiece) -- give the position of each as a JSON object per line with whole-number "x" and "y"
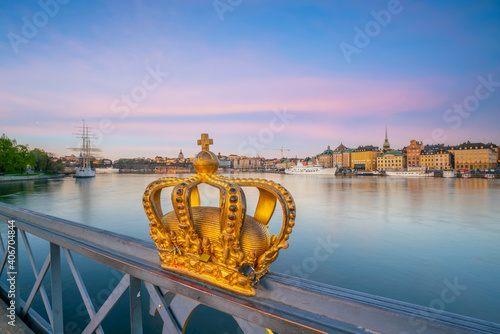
{"x": 436, "y": 157}
{"x": 325, "y": 159}
{"x": 387, "y": 146}
{"x": 284, "y": 163}
{"x": 248, "y": 163}
{"x": 365, "y": 158}
{"x": 338, "y": 155}
{"x": 391, "y": 160}
{"x": 346, "y": 158}
{"x": 475, "y": 156}
{"x": 413, "y": 152}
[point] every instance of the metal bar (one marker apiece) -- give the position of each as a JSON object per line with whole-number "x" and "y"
{"x": 43, "y": 293}
{"x": 4, "y": 260}
{"x": 1, "y": 243}
{"x": 56, "y": 287}
{"x": 36, "y": 287}
{"x": 96, "y": 320}
{"x": 282, "y": 303}
{"x": 81, "y": 287}
{"x": 169, "y": 322}
{"x": 135, "y": 306}
{"x": 13, "y": 267}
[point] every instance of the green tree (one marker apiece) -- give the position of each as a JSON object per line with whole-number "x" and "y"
{"x": 23, "y": 158}
{"x": 41, "y": 158}
{"x": 7, "y": 154}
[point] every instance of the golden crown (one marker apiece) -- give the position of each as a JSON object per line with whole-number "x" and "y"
{"x": 221, "y": 245}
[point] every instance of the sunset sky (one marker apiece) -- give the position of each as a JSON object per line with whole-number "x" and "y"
{"x": 150, "y": 76}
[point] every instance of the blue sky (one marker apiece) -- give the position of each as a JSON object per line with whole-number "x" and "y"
{"x": 150, "y": 76}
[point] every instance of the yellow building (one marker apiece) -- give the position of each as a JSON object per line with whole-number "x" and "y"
{"x": 391, "y": 160}
{"x": 475, "y": 156}
{"x": 436, "y": 159}
{"x": 365, "y": 158}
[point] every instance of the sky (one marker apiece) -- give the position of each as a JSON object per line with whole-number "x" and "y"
{"x": 150, "y": 76}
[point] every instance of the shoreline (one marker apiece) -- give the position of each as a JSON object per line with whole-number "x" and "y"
{"x": 7, "y": 178}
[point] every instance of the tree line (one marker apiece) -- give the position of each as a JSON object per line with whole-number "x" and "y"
{"x": 16, "y": 158}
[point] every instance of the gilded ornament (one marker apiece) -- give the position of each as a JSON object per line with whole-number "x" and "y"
{"x": 221, "y": 245}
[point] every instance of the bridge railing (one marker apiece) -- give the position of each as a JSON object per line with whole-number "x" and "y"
{"x": 283, "y": 303}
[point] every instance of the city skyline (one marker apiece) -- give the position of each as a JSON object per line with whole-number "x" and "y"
{"x": 150, "y": 77}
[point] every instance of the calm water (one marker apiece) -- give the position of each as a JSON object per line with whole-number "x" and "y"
{"x": 406, "y": 239}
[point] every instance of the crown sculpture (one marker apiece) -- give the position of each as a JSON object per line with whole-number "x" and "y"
{"x": 221, "y": 245}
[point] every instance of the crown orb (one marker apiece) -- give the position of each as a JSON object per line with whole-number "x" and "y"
{"x": 206, "y": 162}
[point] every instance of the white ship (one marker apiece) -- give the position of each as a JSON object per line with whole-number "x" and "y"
{"x": 85, "y": 170}
{"x": 411, "y": 173}
{"x": 300, "y": 169}
{"x": 449, "y": 173}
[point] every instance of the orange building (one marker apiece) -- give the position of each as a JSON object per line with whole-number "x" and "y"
{"x": 413, "y": 152}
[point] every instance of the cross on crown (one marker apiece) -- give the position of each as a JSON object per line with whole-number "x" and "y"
{"x": 205, "y": 142}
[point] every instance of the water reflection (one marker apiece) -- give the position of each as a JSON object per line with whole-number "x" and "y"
{"x": 396, "y": 237}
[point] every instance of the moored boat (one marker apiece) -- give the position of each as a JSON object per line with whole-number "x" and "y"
{"x": 489, "y": 176}
{"x": 411, "y": 173}
{"x": 367, "y": 173}
{"x": 449, "y": 173}
{"x": 300, "y": 169}
{"x": 85, "y": 170}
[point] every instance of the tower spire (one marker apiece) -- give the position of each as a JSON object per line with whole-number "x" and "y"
{"x": 387, "y": 146}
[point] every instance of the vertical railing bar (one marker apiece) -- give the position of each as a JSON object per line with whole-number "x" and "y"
{"x": 4, "y": 261}
{"x": 36, "y": 287}
{"x": 135, "y": 306}
{"x": 43, "y": 293}
{"x": 56, "y": 284}
{"x": 108, "y": 305}
{"x": 81, "y": 287}
{"x": 169, "y": 321}
{"x": 14, "y": 269}
{"x": 1, "y": 243}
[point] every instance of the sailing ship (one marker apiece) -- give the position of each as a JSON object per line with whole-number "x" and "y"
{"x": 85, "y": 170}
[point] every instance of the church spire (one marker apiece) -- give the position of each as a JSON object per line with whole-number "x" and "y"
{"x": 387, "y": 146}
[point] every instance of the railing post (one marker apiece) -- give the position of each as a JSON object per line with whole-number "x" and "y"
{"x": 135, "y": 306}
{"x": 56, "y": 284}
{"x": 15, "y": 268}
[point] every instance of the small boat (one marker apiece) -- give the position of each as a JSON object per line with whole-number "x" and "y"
{"x": 466, "y": 176}
{"x": 367, "y": 173}
{"x": 489, "y": 176}
{"x": 449, "y": 173}
{"x": 300, "y": 169}
{"x": 413, "y": 173}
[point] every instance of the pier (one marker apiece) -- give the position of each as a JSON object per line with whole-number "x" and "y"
{"x": 283, "y": 303}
